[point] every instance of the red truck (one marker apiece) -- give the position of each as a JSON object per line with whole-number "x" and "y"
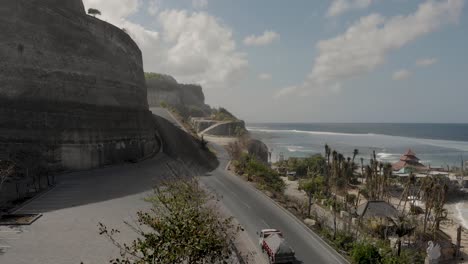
{"x": 273, "y": 244}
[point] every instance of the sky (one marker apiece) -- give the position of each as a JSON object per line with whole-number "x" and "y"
{"x": 309, "y": 61}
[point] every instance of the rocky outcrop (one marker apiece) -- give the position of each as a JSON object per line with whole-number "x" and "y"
{"x": 188, "y": 99}
{"x": 71, "y": 83}
{"x": 258, "y": 149}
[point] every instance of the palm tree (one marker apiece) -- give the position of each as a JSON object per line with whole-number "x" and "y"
{"x": 428, "y": 187}
{"x": 406, "y": 192}
{"x": 403, "y": 228}
{"x": 387, "y": 174}
{"x": 355, "y": 153}
{"x": 333, "y": 168}
{"x": 327, "y": 168}
{"x": 362, "y": 167}
{"x": 311, "y": 186}
{"x": 440, "y": 198}
{"x": 327, "y": 150}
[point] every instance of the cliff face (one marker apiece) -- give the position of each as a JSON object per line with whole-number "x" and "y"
{"x": 186, "y": 98}
{"x": 52, "y": 51}
{"x": 71, "y": 5}
{"x": 71, "y": 83}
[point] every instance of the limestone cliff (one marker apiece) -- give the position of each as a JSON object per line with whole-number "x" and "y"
{"x": 72, "y": 83}
{"x": 52, "y": 51}
{"x": 188, "y": 99}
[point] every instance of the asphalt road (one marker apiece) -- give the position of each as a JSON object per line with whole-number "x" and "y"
{"x": 68, "y": 233}
{"x": 255, "y": 211}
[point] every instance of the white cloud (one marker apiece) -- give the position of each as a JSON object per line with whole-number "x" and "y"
{"x": 266, "y": 38}
{"x": 201, "y": 49}
{"x": 365, "y": 44}
{"x": 401, "y": 75}
{"x": 199, "y": 3}
{"x": 264, "y": 77}
{"x": 339, "y": 7}
{"x": 154, "y": 6}
{"x": 426, "y": 62}
{"x": 286, "y": 91}
{"x": 193, "y": 47}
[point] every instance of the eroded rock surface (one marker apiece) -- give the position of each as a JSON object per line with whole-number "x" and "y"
{"x": 71, "y": 83}
{"x": 188, "y": 99}
{"x": 258, "y": 149}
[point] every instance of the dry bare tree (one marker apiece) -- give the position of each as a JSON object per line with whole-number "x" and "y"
{"x": 7, "y": 169}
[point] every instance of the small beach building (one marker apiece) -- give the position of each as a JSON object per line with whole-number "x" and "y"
{"x": 408, "y": 162}
{"x": 376, "y": 209}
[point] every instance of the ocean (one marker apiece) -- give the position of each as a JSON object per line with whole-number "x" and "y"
{"x": 436, "y": 145}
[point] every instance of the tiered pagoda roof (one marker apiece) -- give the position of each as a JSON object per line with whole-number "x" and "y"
{"x": 408, "y": 159}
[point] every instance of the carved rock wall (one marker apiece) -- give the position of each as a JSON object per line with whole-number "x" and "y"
{"x": 72, "y": 83}
{"x": 186, "y": 98}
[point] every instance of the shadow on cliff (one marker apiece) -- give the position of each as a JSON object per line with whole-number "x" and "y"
{"x": 181, "y": 156}
{"x": 183, "y": 147}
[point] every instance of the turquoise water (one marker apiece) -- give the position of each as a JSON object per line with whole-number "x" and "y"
{"x": 434, "y": 144}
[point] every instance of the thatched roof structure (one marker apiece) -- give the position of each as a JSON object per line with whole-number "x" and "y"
{"x": 376, "y": 209}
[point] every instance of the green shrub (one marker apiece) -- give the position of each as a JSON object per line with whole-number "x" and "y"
{"x": 260, "y": 173}
{"x": 221, "y": 114}
{"x": 365, "y": 253}
{"x": 163, "y": 104}
{"x": 344, "y": 241}
{"x": 407, "y": 256}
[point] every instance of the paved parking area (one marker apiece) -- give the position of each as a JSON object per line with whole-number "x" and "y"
{"x": 68, "y": 230}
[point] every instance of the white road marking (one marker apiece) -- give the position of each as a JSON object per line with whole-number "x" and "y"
{"x": 233, "y": 193}
{"x": 246, "y": 205}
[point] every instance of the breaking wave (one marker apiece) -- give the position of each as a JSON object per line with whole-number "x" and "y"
{"x": 256, "y": 129}
{"x": 458, "y": 145}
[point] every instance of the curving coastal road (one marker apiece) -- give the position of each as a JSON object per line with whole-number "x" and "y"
{"x": 68, "y": 230}
{"x": 255, "y": 211}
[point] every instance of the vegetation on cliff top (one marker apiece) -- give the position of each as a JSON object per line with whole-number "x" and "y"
{"x": 153, "y": 75}
{"x": 222, "y": 114}
{"x": 94, "y": 12}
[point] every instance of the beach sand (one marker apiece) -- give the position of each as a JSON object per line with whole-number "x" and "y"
{"x": 457, "y": 215}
